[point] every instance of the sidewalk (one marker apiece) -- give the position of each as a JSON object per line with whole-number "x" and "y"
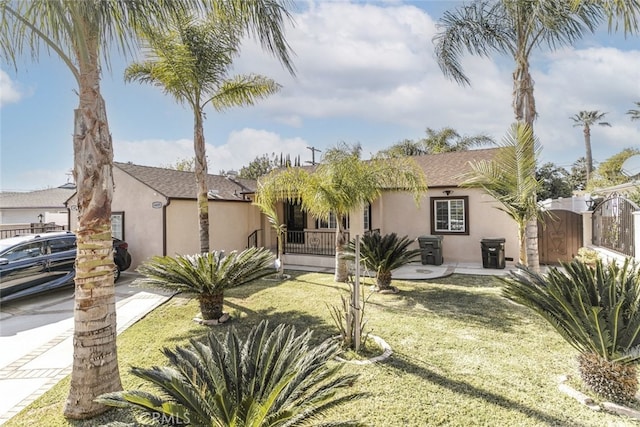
{"x": 36, "y": 337}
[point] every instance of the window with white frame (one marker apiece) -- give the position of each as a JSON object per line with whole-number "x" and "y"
{"x": 367, "y": 218}
{"x": 450, "y": 215}
{"x": 331, "y": 223}
{"x": 117, "y": 225}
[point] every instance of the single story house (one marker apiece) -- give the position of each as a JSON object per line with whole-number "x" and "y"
{"x": 462, "y": 216}
{"x": 155, "y": 211}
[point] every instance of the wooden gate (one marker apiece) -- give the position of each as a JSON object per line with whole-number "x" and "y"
{"x": 559, "y": 236}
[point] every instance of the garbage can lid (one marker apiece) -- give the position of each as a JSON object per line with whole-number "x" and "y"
{"x": 494, "y": 240}
{"x": 427, "y": 237}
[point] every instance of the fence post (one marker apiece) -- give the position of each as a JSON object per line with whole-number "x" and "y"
{"x": 636, "y": 237}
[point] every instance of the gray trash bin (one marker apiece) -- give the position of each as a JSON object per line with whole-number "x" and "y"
{"x": 431, "y": 249}
{"x": 492, "y": 253}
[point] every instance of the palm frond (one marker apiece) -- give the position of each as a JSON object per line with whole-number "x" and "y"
{"x": 273, "y": 377}
{"x": 206, "y": 273}
{"x": 596, "y": 310}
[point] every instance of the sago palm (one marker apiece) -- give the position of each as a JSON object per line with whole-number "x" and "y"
{"x": 597, "y": 311}
{"x": 383, "y": 254}
{"x": 206, "y": 275}
{"x": 273, "y": 378}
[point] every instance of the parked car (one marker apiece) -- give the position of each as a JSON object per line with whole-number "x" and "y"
{"x": 36, "y": 263}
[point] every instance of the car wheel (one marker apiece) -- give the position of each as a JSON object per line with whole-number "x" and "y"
{"x": 116, "y": 273}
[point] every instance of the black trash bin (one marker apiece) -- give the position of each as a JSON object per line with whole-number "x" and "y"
{"x": 431, "y": 249}
{"x": 492, "y": 253}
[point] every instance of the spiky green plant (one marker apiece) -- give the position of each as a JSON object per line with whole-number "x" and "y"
{"x": 383, "y": 254}
{"x": 206, "y": 275}
{"x": 597, "y": 311}
{"x": 275, "y": 378}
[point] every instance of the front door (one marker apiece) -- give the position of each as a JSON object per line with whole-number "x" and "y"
{"x": 559, "y": 236}
{"x": 296, "y": 220}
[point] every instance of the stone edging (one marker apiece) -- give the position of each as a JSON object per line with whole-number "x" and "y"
{"x": 387, "y": 352}
{"x": 591, "y": 404}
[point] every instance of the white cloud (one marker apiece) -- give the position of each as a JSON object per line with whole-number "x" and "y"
{"x": 9, "y": 90}
{"x": 239, "y": 150}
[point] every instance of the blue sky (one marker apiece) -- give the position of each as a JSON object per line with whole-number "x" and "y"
{"x": 365, "y": 74}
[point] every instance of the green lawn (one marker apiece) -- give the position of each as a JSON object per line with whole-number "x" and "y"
{"x": 463, "y": 355}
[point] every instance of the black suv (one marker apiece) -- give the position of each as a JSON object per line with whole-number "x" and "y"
{"x": 36, "y": 263}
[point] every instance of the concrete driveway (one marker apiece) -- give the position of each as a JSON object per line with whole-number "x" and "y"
{"x": 36, "y": 338}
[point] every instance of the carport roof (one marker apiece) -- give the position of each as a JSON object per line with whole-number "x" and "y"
{"x": 177, "y": 184}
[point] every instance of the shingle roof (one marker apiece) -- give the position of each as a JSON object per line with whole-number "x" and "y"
{"x": 52, "y": 198}
{"x": 445, "y": 169}
{"x": 182, "y": 184}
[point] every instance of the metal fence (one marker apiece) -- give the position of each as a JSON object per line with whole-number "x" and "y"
{"x": 311, "y": 242}
{"x": 613, "y": 225}
{"x": 34, "y": 228}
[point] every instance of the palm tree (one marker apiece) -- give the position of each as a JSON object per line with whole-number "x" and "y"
{"x": 275, "y": 378}
{"x": 81, "y": 34}
{"x": 513, "y": 28}
{"x": 206, "y": 275}
{"x": 635, "y": 114}
{"x": 618, "y": 10}
{"x": 510, "y": 178}
{"x": 190, "y": 59}
{"x": 447, "y": 140}
{"x": 341, "y": 183}
{"x": 266, "y": 199}
{"x": 586, "y": 119}
{"x": 383, "y": 254}
{"x": 595, "y": 309}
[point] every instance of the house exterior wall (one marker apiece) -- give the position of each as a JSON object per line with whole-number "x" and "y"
{"x": 230, "y": 224}
{"x": 30, "y": 215}
{"x": 397, "y": 212}
{"x": 143, "y": 215}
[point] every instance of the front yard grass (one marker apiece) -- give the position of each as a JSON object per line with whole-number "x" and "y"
{"x": 462, "y": 354}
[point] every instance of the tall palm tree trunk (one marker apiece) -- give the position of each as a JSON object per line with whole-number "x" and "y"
{"x": 587, "y": 147}
{"x": 524, "y": 107}
{"x": 201, "y": 173}
{"x": 341, "y": 273}
{"x": 95, "y": 362}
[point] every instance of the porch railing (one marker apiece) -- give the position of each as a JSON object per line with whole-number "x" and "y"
{"x": 311, "y": 242}
{"x": 33, "y": 229}
{"x": 252, "y": 240}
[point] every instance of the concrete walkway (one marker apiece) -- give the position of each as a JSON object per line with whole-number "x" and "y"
{"x": 36, "y": 338}
{"x": 418, "y": 271}
{"x": 36, "y": 334}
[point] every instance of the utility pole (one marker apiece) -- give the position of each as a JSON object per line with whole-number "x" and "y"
{"x": 313, "y": 155}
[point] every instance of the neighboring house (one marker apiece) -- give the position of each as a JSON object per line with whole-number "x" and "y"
{"x": 463, "y": 216}
{"x": 21, "y": 209}
{"x": 155, "y": 211}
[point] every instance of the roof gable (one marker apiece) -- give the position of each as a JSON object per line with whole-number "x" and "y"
{"x": 175, "y": 184}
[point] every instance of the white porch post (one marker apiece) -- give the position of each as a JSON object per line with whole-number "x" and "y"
{"x": 587, "y": 228}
